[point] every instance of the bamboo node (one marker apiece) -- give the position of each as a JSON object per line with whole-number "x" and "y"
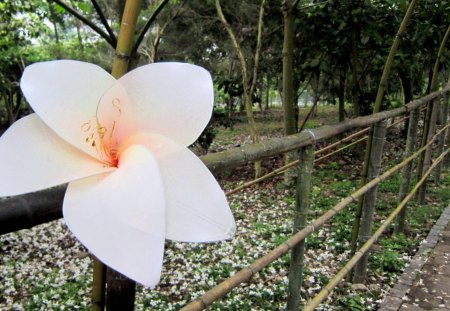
{"x": 122, "y": 56}
{"x": 312, "y": 134}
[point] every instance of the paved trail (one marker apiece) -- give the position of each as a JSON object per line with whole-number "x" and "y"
{"x": 425, "y": 284}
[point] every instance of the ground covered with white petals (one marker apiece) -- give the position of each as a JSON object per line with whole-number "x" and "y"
{"x": 45, "y": 268}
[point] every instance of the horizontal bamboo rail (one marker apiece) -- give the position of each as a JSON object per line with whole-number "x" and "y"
{"x": 326, "y": 148}
{"x": 28, "y": 213}
{"x": 327, "y": 290}
{"x": 247, "y": 273}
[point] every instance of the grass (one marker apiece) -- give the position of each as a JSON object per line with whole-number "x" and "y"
{"x": 43, "y": 268}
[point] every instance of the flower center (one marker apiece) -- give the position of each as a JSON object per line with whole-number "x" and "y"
{"x": 101, "y": 138}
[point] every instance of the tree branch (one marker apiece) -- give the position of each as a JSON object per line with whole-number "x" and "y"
{"x": 86, "y": 21}
{"x": 258, "y": 47}
{"x": 104, "y": 21}
{"x": 147, "y": 25}
{"x": 236, "y": 46}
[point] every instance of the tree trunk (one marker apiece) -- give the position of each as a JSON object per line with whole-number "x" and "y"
{"x": 341, "y": 95}
{"x": 290, "y": 120}
{"x": 249, "y": 86}
{"x": 407, "y": 85}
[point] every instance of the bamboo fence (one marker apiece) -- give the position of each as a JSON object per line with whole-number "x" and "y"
{"x": 248, "y": 272}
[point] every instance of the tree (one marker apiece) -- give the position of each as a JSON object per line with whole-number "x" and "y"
{"x": 248, "y": 79}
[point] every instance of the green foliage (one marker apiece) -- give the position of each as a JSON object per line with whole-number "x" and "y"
{"x": 387, "y": 261}
{"x": 351, "y": 302}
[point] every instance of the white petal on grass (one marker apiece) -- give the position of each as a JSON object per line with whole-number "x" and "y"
{"x": 120, "y": 217}
{"x": 65, "y": 95}
{"x": 173, "y": 99}
{"x": 33, "y": 157}
{"x": 197, "y": 209}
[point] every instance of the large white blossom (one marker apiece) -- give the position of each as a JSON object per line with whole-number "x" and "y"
{"x": 122, "y": 147}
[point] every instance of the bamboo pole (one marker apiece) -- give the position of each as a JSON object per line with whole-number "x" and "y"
{"x": 98, "y": 285}
{"x": 327, "y": 290}
{"x": 376, "y": 156}
{"x": 303, "y": 193}
{"x": 248, "y": 272}
{"x": 427, "y": 155}
{"x": 406, "y": 172}
{"x": 441, "y": 143}
{"x": 294, "y": 163}
{"x": 289, "y": 104}
{"x": 377, "y": 107}
{"x": 428, "y": 123}
{"x": 447, "y": 139}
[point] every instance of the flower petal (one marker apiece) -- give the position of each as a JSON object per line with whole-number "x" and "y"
{"x": 65, "y": 95}
{"x": 33, "y": 157}
{"x": 197, "y": 209}
{"x": 173, "y": 99}
{"x": 120, "y": 217}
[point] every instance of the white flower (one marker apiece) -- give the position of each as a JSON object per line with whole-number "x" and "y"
{"x": 122, "y": 146}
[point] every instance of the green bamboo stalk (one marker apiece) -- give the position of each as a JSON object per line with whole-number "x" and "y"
{"x": 248, "y": 272}
{"x": 377, "y": 107}
{"x": 427, "y": 155}
{"x": 327, "y": 290}
{"x": 288, "y": 71}
{"x": 446, "y": 103}
{"x": 441, "y": 143}
{"x": 428, "y": 123}
{"x": 303, "y": 193}
{"x": 406, "y": 172}
{"x": 117, "y": 285}
{"x": 376, "y": 156}
{"x": 290, "y": 126}
{"x": 98, "y": 285}
{"x": 126, "y": 38}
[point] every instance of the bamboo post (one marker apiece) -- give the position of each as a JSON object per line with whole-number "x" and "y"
{"x": 427, "y": 155}
{"x": 377, "y": 107}
{"x": 433, "y": 86}
{"x": 441, "y": 143}
{"x": 303, "y": 191}
{"x": 406, "y": 171}
{"x": 379, "y": 133}
{"x": 98, "y": 285}
{"x": 289, "y": 104}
